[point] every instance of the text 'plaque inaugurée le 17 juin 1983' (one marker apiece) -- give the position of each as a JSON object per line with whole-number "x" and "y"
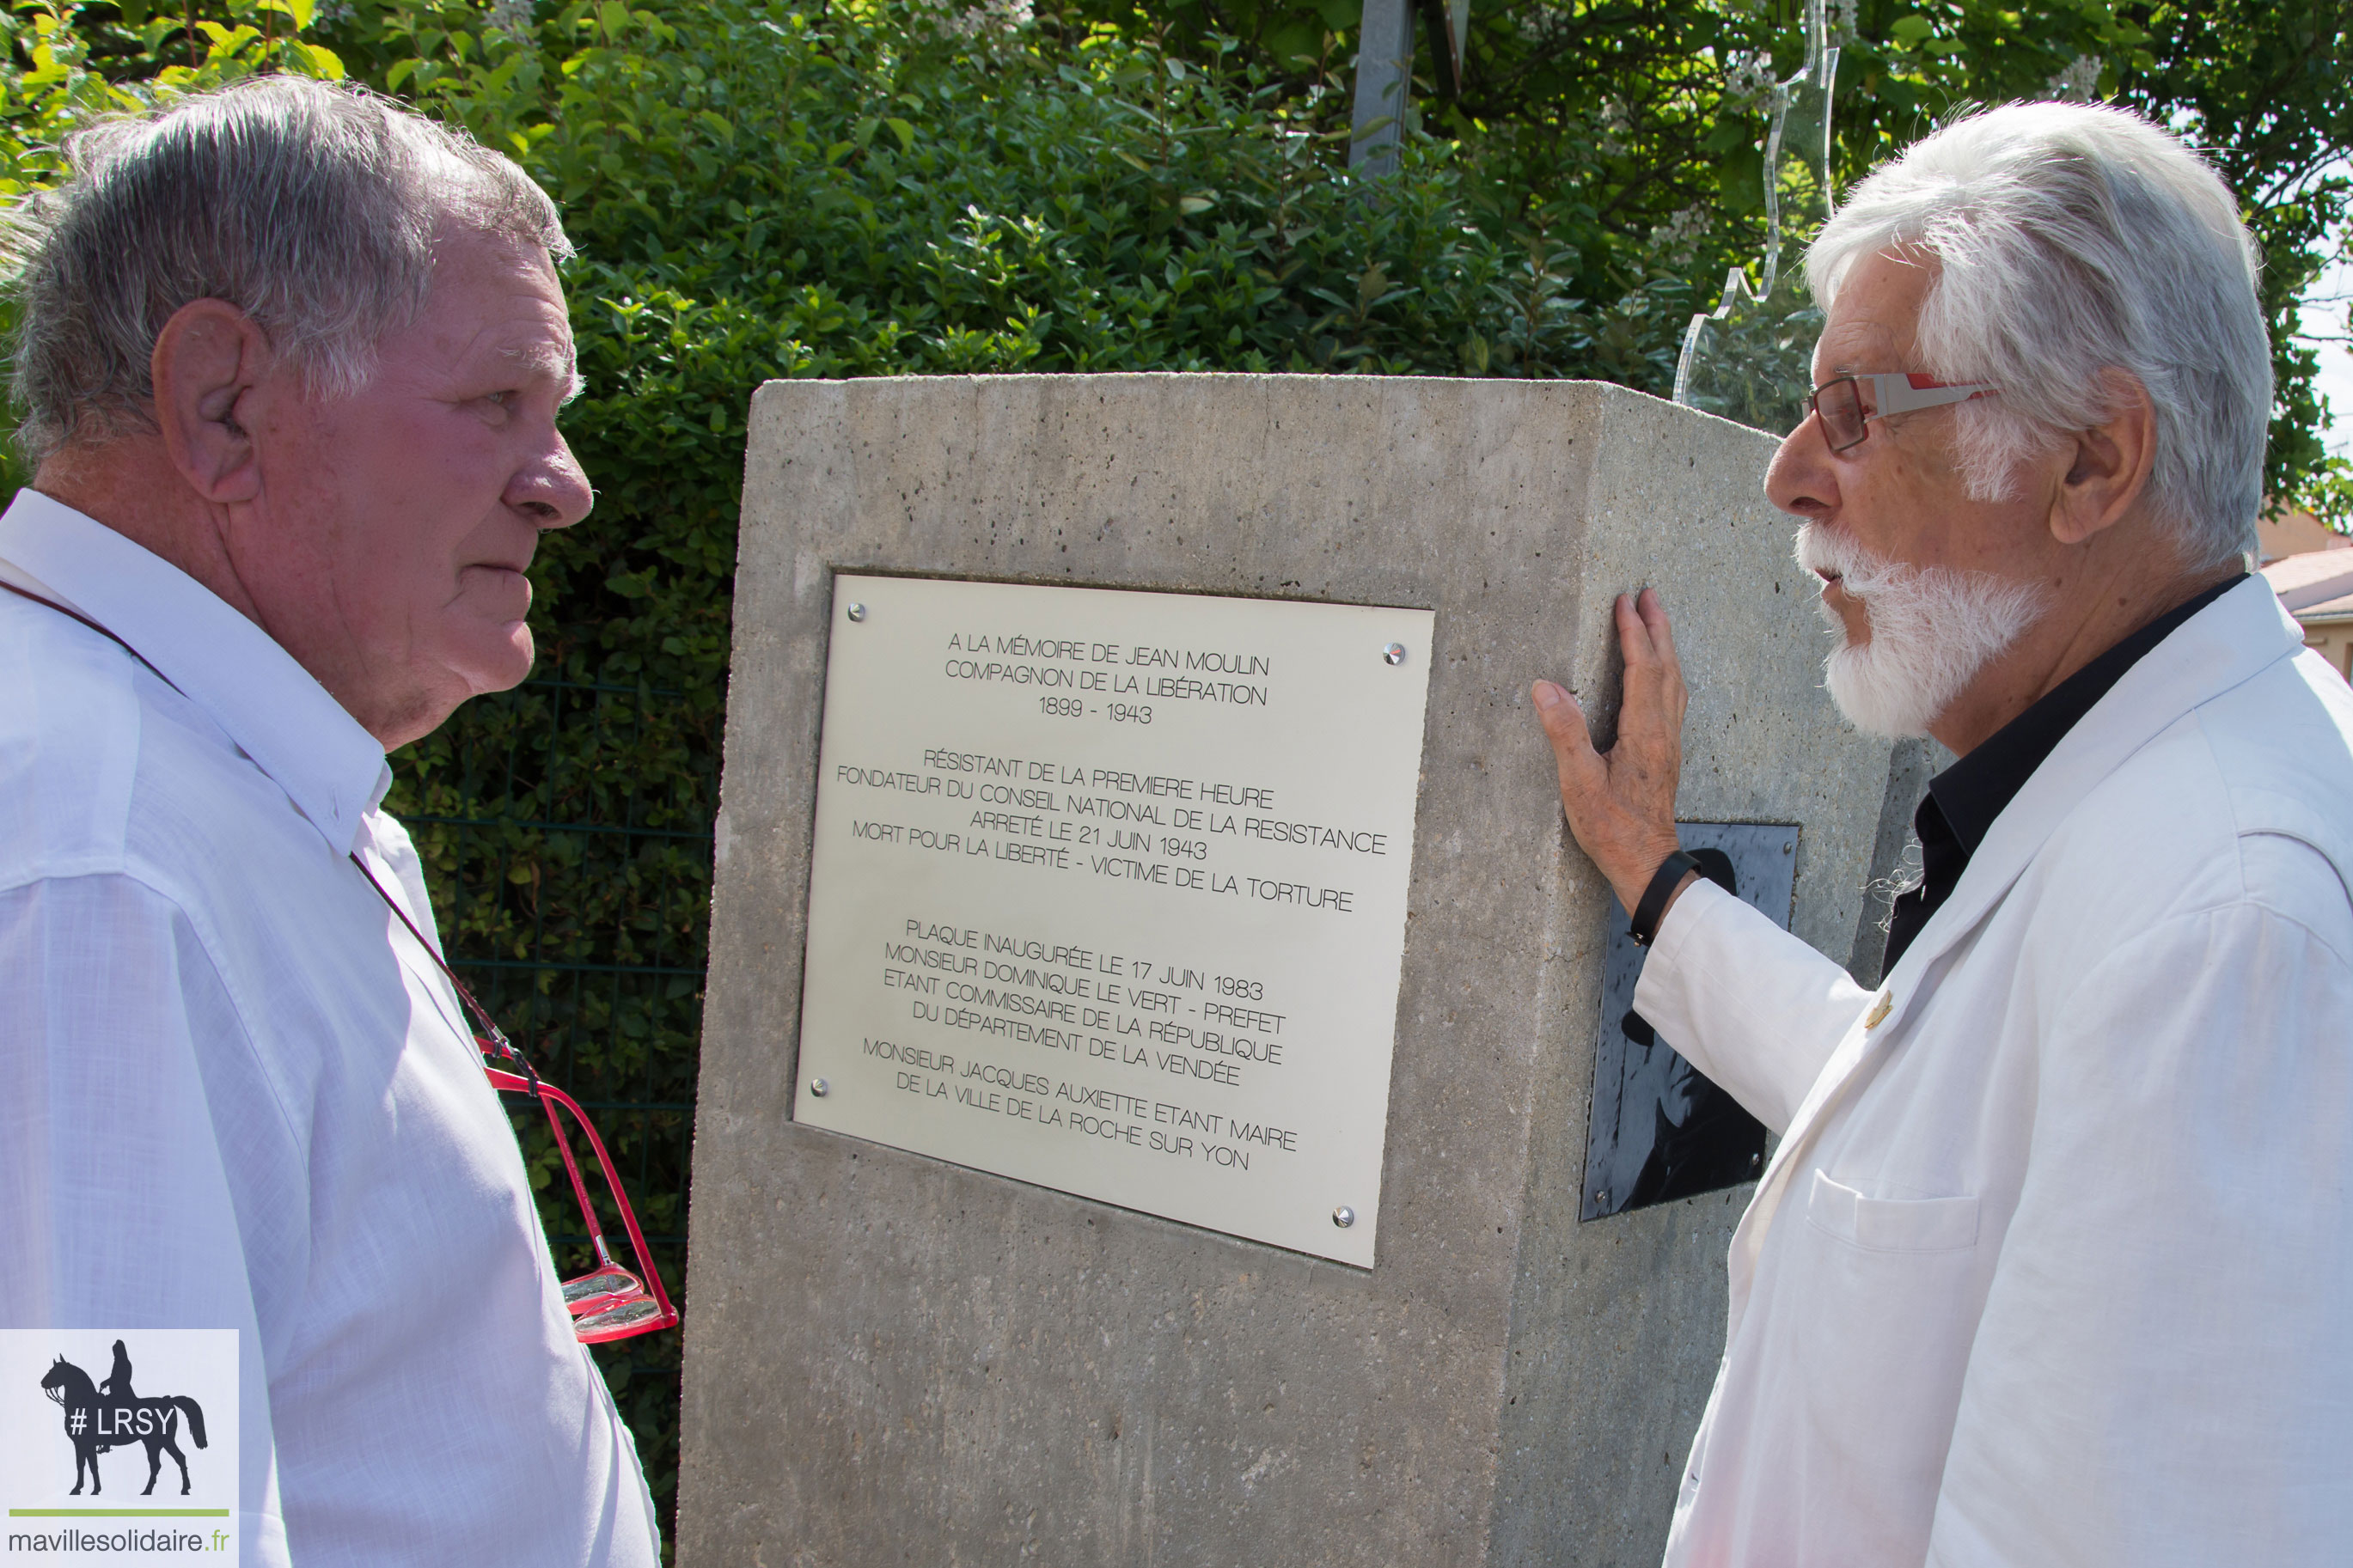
{"x": 1108, "y": 893}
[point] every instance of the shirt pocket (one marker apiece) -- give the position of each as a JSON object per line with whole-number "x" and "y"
{"x": 1891, "y": 1224}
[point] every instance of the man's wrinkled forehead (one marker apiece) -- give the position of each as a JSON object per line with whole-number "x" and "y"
{"x": 500, "y": 296}
{"x": 1874, "y": 318}
{"x": 1859, "y": 348}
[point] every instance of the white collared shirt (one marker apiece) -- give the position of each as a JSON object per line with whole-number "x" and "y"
{"x": 2053, "y": 1263}
{"x": 234, "y": 1093}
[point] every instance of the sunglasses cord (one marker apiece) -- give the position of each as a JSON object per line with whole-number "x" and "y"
{"x": 495, "y": 1038}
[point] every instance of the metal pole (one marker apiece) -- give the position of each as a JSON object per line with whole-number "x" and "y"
{"x": 1384, "y": 85}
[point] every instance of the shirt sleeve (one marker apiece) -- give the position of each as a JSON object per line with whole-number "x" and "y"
{"x": 1747, "y": 1004}
{"x": 2161, "y": 1373}
{"x": 115, "y": 1205}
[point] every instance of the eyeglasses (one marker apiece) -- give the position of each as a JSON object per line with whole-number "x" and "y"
{"x": 1839, "y": 403}
{"x": 608, "y": 1302}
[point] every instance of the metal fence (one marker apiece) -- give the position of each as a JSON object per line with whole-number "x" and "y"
{"x": 565, "y": 827}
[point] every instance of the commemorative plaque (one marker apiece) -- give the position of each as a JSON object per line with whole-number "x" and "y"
{"x": 1660, "y": 1128}
{"x": 1108, "y": 893}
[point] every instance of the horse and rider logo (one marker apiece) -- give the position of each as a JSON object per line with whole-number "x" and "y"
{"x": 103, "y": 1416}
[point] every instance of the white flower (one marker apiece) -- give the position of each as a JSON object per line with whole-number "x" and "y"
{"x": 1746, "y": 74}
{"x": 1675, "y": 239}
{"x": 990, "y": 17}
{"x": 1614, "y": 121}
{"x": 2080, "y": 81}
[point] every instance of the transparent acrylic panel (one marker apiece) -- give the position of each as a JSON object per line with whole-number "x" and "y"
{"x": 1749, "y": 360}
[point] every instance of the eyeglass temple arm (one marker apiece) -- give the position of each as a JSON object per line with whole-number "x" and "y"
{"x": 1896, "y": 393}
{"x": 550, "y": 1097}
{"x": 562, "y": 1145}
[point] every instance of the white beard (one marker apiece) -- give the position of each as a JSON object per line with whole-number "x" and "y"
{"x": 1933, "y": 629}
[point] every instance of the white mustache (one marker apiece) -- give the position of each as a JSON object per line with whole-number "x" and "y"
{"x": 1861, "y": 573}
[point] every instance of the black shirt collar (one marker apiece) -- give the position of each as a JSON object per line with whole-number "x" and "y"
{"x": 1963, "y": 801}
{"x": 1979, "y": 786}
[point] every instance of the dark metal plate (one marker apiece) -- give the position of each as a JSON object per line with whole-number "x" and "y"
{"x": 1660, "y": 1128}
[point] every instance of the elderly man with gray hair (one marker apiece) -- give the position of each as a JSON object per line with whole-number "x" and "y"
{"x": 291, "y": 363}
{"x": 2052, "y": 1262}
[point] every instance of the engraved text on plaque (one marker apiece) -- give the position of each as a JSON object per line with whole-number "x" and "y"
{"x": 1108, "y": 893}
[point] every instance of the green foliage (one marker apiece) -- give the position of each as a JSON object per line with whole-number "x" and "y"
{"x": 70, "y": 62}
{"x": 1633, "y": 129}
{"x": 884, "y": 187}
{"x": 891, "y": 197}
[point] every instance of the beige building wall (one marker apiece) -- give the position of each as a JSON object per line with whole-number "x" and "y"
{"x": 2316, "y": 586}
{"x": 2333, "y": 639}
{"x": 2295, "y": 533}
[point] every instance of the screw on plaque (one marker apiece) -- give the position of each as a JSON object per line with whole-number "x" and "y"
{"x": 1344, "y": 1216}
{"x": 1601, "y": 1198}
{"x": 857, "y": 611}
{"x": 1394, "y": 653}
{"x": 820, "y": 1088}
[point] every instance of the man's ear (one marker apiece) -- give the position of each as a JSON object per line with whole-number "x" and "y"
{"x": 2108, "y": 465}
{"x": 206, "y": 360}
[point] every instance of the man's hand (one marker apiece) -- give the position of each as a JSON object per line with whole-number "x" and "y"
{"x": 1621, "y": 806}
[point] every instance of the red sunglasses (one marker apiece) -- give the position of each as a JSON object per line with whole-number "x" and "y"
{"x": 608, "y": 1302}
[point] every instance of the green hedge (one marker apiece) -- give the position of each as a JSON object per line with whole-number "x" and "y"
{"x": 881, "y": 187}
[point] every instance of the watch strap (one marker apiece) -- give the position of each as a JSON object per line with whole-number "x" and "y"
{"x": 1645, "y": 925}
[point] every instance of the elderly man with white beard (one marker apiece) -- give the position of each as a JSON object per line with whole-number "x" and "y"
{"x": 2052, "y": 1261}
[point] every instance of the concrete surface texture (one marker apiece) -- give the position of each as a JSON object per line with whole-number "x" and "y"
{"x": 891, "y": 1360}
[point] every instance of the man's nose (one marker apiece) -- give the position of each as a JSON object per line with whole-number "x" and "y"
{"x": 552, "y": 490}
{"x": 1802, "y": 481}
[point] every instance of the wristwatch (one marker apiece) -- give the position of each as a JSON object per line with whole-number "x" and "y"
{"x": 1644, "y": 926}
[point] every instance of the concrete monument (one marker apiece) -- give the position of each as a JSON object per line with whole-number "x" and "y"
{"x": 1002, "y": 1252}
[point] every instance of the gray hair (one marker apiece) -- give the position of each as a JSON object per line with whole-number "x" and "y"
{"x": 313, "y": 207}
{"x": 2069, "y": 239}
